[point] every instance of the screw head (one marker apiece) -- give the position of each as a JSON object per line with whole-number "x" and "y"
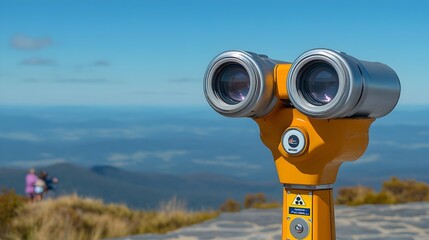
{"x": 299, "y": 228}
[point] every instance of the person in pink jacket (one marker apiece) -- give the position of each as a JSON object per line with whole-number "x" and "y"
{"x": 30, "y": 180}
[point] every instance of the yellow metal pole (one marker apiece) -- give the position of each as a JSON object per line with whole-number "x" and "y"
{"x": 308, "y": 214}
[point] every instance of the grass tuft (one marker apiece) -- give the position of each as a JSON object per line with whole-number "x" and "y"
{"x": 73, "y": 217}
{"x": 393, "y": 191}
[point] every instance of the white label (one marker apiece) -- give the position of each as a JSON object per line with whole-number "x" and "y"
{"x": 293, "y": 141}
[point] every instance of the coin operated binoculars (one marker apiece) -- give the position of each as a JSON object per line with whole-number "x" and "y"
{"x": 313, "y": 115}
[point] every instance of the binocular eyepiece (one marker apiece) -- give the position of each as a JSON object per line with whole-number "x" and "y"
{"x": 240, "y": 84}
{"x": 321, "y": 83}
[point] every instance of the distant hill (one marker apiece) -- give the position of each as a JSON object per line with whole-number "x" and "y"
{"x": 193, "y": 153}
{"x": 144, "y": 190}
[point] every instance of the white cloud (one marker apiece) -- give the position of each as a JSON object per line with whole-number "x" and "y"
{"x": 24, "y": 42}
{"x": 368, "y": 159}
{"x": 38, "y": 162}
{"x": 118, "y": 164}
{"x": 166, "y": 156}
{"x": 83, "y": 80}
{"x": 21, "y": 136}
{"x": 69, "y": 134}
{"x": 118, "y": 157}
{"x": 405, "y": 146}
{"x": 226, "y": 161}
{"x": 200, "y": 131}
{"x": 386, "y": 143}
{"x": 132, "y": 132}
{"x": 37, "y": 62}
{"x": 415, "y": 146}
{"x": 128, "y": 133}
{"x": 140, "y": 156}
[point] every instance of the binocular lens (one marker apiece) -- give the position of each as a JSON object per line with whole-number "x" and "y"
{"x": 240, "y": 84}
{"x": 319, "y": 83}
{"x": 324, "y": 83}
{"x": 233, "y": 83}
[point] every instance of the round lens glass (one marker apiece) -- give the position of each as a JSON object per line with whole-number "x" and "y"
{"x": 233, "y": 83}
{"x": 319, "y": 83}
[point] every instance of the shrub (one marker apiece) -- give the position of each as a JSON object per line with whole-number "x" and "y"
{"x": 393, "y": 191}
{"x": 378, "y": 198}
{"x": 230, "y": 205}
{"x": 253, "y": 200}
{"x": 10, "y": 202}
{"x": 407, "y": 190}
{"x": 258, "y": 200}
{"x": 353, "y": 195}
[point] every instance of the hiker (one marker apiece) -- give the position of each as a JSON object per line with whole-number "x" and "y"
{"x": 39, "y": 189}
{"x": 49, "y": 182}
{"x": 30, "y": 180}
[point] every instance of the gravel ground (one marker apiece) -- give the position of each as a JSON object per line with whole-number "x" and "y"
{"x": 369, "y": 222}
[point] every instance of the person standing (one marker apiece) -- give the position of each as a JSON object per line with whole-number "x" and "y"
{"x": 49, "y": 182}
{"x": 30, "y": 181}
{"x": 39, "y": 189}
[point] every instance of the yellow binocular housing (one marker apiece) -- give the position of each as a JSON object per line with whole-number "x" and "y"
{"x": 313, "y": 114}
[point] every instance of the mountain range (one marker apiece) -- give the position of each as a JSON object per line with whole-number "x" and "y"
{"x": 144, "y": 190}
{"x": 144, "y": 155}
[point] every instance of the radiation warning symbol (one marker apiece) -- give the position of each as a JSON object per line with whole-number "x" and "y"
{"x": 298, "y": 200}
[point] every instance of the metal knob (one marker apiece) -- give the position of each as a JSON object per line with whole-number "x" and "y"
{"x": 299, "y": 228}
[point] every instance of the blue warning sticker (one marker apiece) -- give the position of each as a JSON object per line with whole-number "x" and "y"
{"x": 299, "y": 211}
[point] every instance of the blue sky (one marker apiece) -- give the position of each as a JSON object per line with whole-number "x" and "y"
{"x": 155, "y": 52}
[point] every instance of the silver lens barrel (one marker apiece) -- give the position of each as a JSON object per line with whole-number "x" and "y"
{"x": 240, "y": 84}
{"x": 323, "y": 83}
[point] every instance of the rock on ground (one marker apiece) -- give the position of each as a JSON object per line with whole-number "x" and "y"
{"x": 369, "y": 222}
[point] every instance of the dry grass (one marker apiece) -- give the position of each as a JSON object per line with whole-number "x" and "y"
{"x": 230, "y": 205}
{"x": 407, "y": 190}
{"x": 268, "y": 205}
{"x": 393, "y": 191}
{"x": 72, "y": 217}
{"x": 258, "y": 200}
